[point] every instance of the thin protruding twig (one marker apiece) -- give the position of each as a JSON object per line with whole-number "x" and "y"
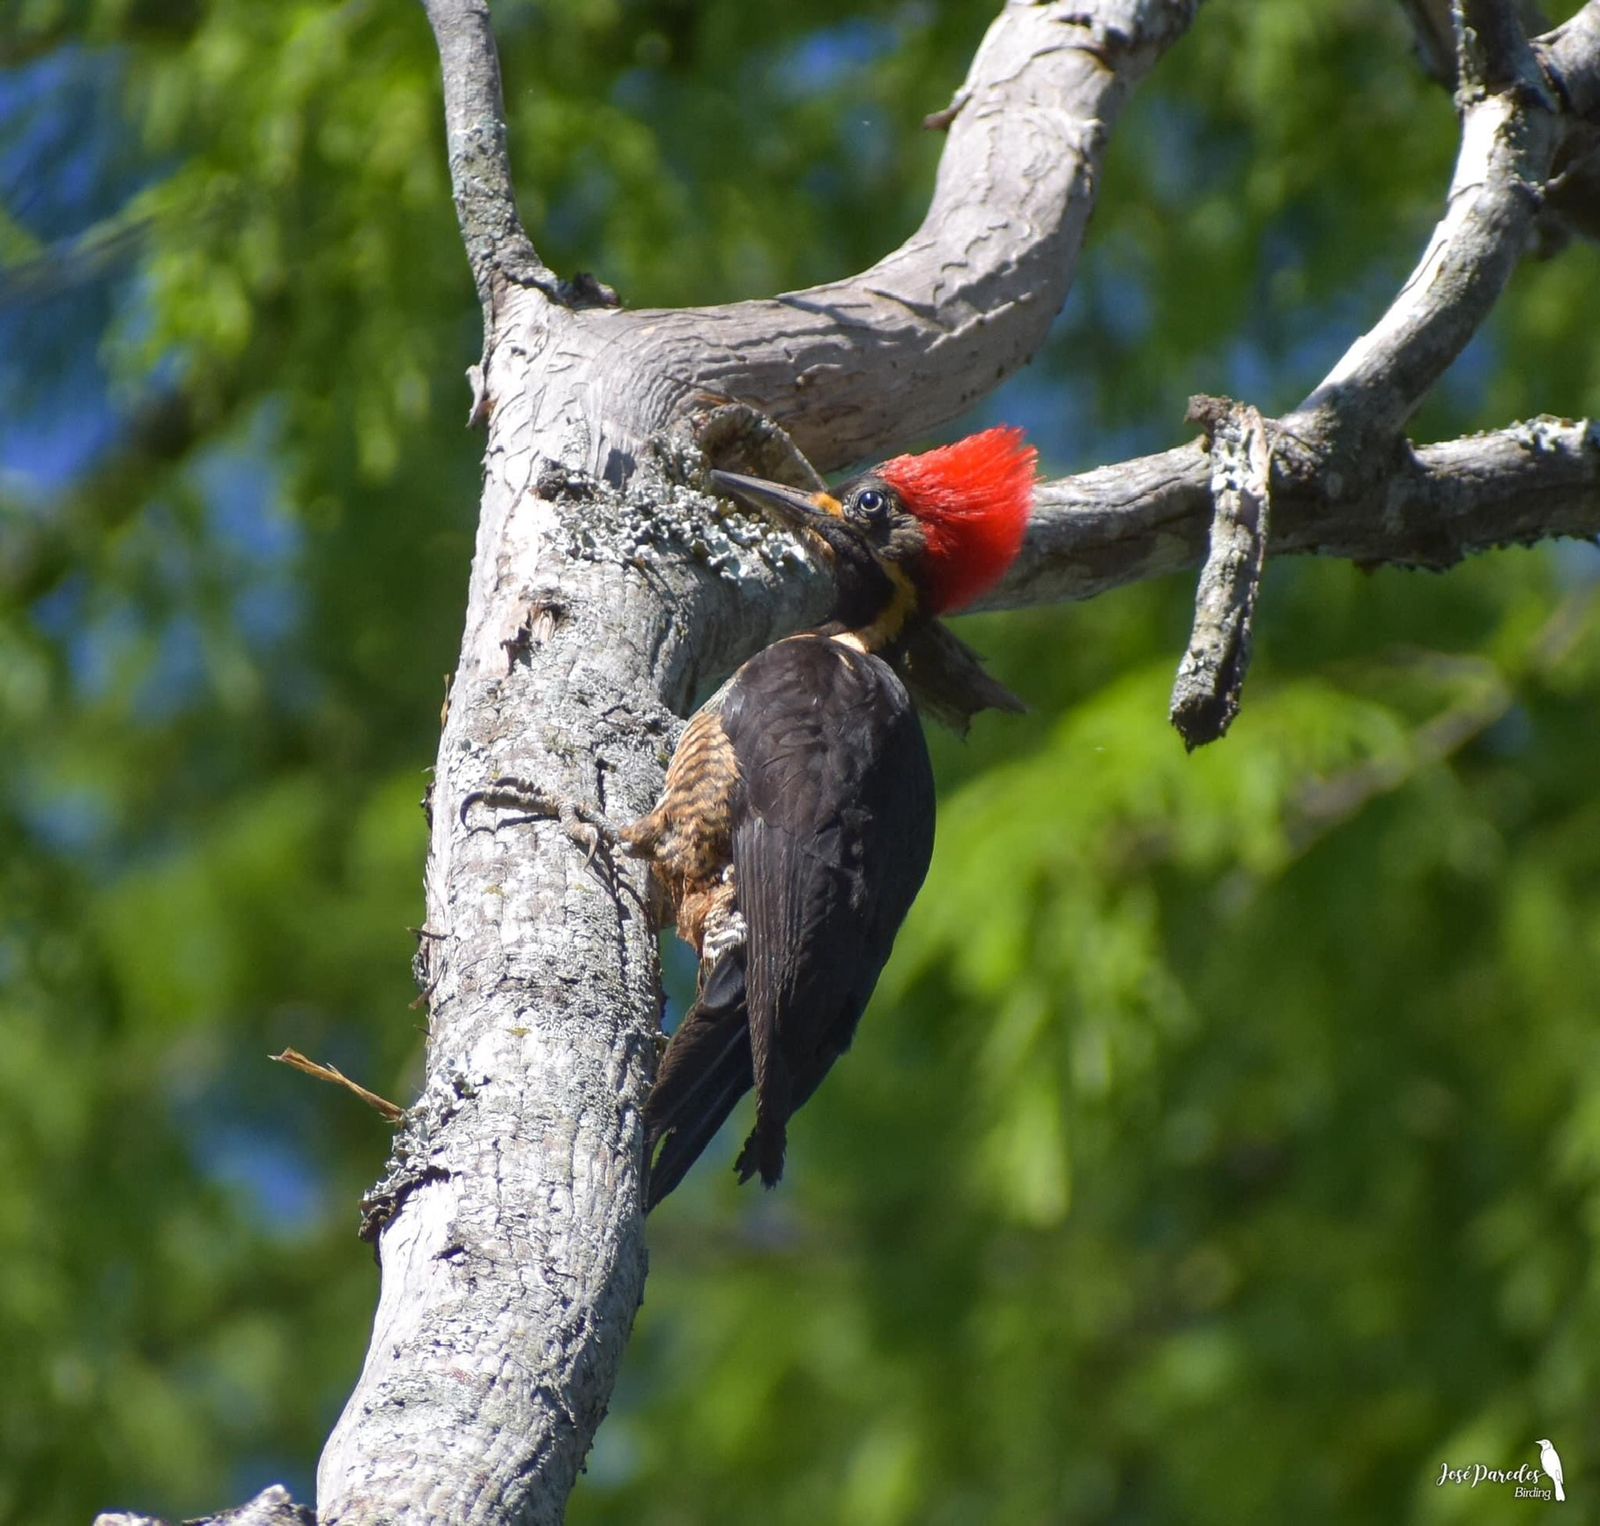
{"x": 329, "y": 1073}
{"x": 1205, "y": 696}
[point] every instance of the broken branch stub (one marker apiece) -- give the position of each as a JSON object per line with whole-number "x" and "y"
{"x": 1205, "y": 695}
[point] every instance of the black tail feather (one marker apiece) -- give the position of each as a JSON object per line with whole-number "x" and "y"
{"x": 704, "y": 1072}
{"x": 683, "y": 1141}
{"x": 763, "y": 1151}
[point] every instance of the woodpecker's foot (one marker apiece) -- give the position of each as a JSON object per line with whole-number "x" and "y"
{"x": 592, "y": 831}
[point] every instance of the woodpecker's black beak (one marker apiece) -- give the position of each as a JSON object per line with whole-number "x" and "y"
{"x": 865, "y": 586}
{"x": 792, "y": 505}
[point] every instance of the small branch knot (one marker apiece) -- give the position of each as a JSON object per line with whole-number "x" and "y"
{"x": 1207, "y": 412}
{"x": 586, "y": 290}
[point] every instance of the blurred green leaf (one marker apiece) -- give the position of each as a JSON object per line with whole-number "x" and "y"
{"x": 1223, "y": 1143}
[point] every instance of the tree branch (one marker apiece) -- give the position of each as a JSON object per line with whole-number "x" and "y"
{"x": 1434, "y": 34}
{"x": 1205, "y": 696}
{"x": 498, "y": 247}
{"x": 1346, "y": 433}
{"x": 508, "y": 1227}
{"x": 1572, "y": 197}
{"x": 1571, "y": 58}
{"x": 1425, "y": 508}
{"x": 1570, "y": 55}
{"x": 1508, "y": 140}
{"x": 856, "y": 367}
{"x": 1492, "y": 51}
{"x": 1428, "y": 508}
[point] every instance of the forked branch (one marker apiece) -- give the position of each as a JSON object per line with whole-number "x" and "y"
{"x": 857, "y": 367}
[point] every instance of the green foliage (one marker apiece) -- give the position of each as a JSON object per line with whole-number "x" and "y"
{"x": 1256, "y": 1092}
{"x": 1224, "y": 1142}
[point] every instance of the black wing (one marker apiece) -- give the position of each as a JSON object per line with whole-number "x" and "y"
{"x": 832, "y": 838}
{"x": 829, "y": 854}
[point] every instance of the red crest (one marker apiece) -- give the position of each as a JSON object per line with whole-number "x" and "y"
{"x": 973, "y": 499}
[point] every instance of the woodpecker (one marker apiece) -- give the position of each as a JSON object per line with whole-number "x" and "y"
{"x": 797, "y": 821}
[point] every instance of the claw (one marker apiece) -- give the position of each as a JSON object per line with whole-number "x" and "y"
{"x": 583, "y": 825}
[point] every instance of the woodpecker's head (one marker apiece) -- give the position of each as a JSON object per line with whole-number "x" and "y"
{"x": 918, "y": 536}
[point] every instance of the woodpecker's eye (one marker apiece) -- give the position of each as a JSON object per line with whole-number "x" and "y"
{"x": 872, "y": 504}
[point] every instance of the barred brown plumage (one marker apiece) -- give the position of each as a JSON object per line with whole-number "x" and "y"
{"x": 689, "y": 835}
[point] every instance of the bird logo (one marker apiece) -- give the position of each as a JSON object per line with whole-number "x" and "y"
{"x": 1550, "y": 1461}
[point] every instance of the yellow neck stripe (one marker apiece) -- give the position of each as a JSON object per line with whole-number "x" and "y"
{"x": 891, "y": 620}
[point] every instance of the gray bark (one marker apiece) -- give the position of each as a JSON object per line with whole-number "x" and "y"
{"x": 1210, "y": 681}
{"x": 607, "y": 593}
{"x": 858, "y": 367}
